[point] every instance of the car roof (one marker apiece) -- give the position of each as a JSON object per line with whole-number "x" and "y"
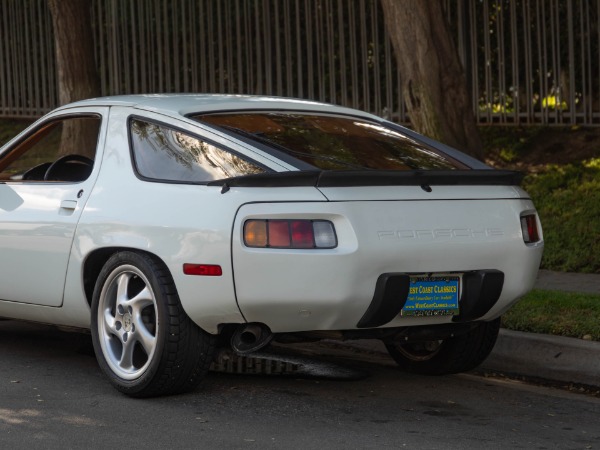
{"x": 185, "y": 104}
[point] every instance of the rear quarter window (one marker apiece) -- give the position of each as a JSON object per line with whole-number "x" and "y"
{"x": 164, "y": 153}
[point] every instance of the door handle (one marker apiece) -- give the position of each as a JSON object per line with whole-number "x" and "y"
{"x": 68, "y": 204}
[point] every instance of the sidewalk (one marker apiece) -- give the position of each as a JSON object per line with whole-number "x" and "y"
{"x": 565, "y": 281}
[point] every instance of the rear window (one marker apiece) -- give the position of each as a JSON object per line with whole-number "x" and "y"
{"x": 330, "y": 142}
{"x": 168, "y": 154}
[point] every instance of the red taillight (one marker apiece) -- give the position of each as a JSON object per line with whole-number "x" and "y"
{"x": 530, "y": 229}
{"x": 279, "y": 233}
{"x": 302, "y": 234}
{"x": 284, "y": 233}
{"x": 206, "y": 270}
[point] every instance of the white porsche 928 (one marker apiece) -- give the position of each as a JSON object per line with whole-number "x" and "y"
{"x": 166, "y": 224}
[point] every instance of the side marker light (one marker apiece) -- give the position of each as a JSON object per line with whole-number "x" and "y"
{"x": 206, "y": 270}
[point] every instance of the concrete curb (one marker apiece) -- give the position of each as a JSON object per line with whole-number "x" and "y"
{"x": 553, "y": 358}
{"x": 539, "y": 356}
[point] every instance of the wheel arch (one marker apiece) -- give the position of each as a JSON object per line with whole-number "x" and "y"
{"x": 96, "y": 259}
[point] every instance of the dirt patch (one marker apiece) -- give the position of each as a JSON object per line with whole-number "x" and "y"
{"x": 531, "y": 148}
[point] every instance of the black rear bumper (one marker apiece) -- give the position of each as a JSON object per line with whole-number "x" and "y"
{"x": 481, "y": 290}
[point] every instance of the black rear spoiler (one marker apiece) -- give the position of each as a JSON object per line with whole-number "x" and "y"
{"x": 343, "y": 178}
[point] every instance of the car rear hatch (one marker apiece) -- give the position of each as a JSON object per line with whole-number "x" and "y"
{"x": 428, "y": 227}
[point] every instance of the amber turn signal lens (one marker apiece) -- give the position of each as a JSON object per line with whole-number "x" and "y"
{"x": 255, "y": 233}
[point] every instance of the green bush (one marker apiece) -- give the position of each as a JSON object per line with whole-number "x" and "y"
{"x": 568, "y": 201}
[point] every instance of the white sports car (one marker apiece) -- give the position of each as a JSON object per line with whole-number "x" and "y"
{"x": 170, "y": 224}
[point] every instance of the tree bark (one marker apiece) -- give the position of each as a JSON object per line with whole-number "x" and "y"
{"x": 434, "y": 84}
{"x": 74, "y": 45}
{"x": 76, "y": 69}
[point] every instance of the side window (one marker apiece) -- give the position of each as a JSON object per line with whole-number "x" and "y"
{"x": 163, "y": 153}
{"x": 60, "y": 150}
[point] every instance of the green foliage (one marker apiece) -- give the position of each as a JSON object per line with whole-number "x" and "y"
{"x": 559, "y": 313}
{"x": 568, "y": 201}
{"x": 508, "y": 142}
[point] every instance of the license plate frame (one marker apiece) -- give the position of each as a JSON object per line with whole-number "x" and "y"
{"x": 432, "y": 296}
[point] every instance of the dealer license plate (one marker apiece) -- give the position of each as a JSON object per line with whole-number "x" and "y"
{"x": 432, "y": 296}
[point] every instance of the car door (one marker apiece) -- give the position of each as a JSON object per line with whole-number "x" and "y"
{"x": 46, "y": 176}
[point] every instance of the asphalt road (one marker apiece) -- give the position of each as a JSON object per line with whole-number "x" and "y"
{"x": 52, "y": 395}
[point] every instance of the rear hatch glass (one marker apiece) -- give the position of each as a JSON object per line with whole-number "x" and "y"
{"x": 331, "y": 142}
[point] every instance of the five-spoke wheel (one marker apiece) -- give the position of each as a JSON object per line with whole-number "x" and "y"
{"x": 127, "y": 322}
{"x": 144, "y": 341}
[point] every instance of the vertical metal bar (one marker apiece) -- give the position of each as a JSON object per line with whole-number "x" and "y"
{"x": 596, "y": 99}
{"x": 237, "y": 48}
{"x": 4, "y": 106}
{"x": 250, "y": 49}
{"x": 555, "y": 57}
{"x": 309, "y": 51}
{"x": 300, "y": 62}
{"x": 192, "y": 38}
{"x": 341, "y": 32}
{"x": 139, "y": 67}
{"x": 287, "y": 30}
{"x": 165, "y": 43}
{"x": 202, "y": 51}
{"x": 587, "y": 73}
{"x": 268, "y": 66}
{"x": 541, "y": 56}
{"x": 220, "y": 38}
{"x": 474, "y": 52}
{"x": 33, "y": 62}
{"x": 489, "y": 95}
{"x": 503, "y": 95}
{"x": 547, "y": 59}
{"x": 583, "y": 38}
{"x": 376, "y": 61}
{"x": 134, "y": 58}
{"x": 331, "y": 34}
{"x": 278, "y": 63}
{"x": 17, "y": 65}
{"x": 389, "y": 107}
{"x": 51, "y": 65}
{"x": 571, "y": 62}
{"x": 258, "y": 88}
{"x": 210, "y": 16}
{"x": 126, "y": 47}
{"x": 228, "y": 46}
{"x": 364, "y": 59}
{"x": 175, "y": 29}
{"x": 321, "y": 53}
{"x": 527, "y": 53}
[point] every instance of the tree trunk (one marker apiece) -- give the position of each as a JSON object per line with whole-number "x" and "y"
{"x": 76, "y": 69}
{"x": 434, "y": 84}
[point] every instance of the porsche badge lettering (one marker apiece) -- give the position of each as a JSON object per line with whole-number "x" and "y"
{"x": 441, "y": 233}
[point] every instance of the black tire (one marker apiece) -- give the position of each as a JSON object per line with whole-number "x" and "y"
{"x": 453, "y": 355}
{"x": 143, "y": 340}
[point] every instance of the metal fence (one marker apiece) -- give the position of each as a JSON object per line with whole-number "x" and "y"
{"x": 527, "y": 61}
